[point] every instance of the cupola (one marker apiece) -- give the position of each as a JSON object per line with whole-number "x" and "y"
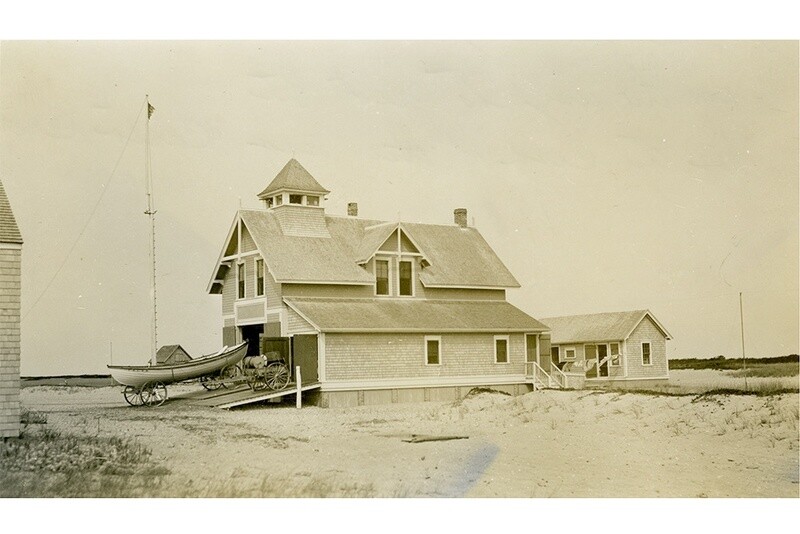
{"x": 294, "y": 186}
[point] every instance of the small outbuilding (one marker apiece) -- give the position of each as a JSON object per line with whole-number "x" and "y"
{"x": 171, "y": 354}
{"x": 610, "y": 347}
{"x": 10, "y": 294}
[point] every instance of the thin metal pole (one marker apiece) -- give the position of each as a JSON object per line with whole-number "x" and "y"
{"x": 152, "y": 214}
{"x": 744, "y": 358}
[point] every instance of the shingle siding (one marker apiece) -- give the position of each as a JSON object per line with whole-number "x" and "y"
{"x": 401, "y": 356}
{"x": 10, "y": 296}
{"x": 296, "y": 324}
{"x": 647, "y": 331}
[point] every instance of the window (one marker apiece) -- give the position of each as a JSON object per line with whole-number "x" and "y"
{"x": 406, "y": 288}
{"x": 312, "y": 201}
{"x": 259, "y": 277}
{"x": 270, "y": 202}
{"x": 614, "y": 351}
{"x": 646, "y": 360}
{"x": 240, "y": 280}
{"x": 569, "y": 355}
{"x": 295, "y": 199}
{"x": 278, "y": 200}
{"x": 381, "y": 277}
{"x": 500, "y": 349}
{"x": 433, "y": 350}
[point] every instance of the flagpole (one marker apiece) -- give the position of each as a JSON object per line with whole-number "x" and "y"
{"x": 744, "y": 359}
{"x": 151, "y": 213}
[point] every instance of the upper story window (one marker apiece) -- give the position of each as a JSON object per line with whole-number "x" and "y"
{"x": 278, "y": 200}
{"x": 381, "y": 277}
{"x": 312, "y": 200}
{"x": 240, "y": 280}
{"x": 433, "y": 350}
{"x": 259, "y": 277}
{"x": 295, "y": 199}
{"x": 405, "y": 275}
{"x": 270, "y": 202}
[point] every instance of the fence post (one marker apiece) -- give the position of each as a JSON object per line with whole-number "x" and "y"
{"x": 299, "y": 381}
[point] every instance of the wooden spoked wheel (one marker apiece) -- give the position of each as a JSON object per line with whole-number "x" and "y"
{"x": 228, "y": 376}
{"x": 154, "y": 394}
{"x": 210, "y": 382}
{"x": 133, "y": 396}
{"x": 276, "y": 376}
{"x": 257, "y": 380}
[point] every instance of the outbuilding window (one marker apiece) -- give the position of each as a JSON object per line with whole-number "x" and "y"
{"x": 646, "y": 358}
{"x": 613, "y": 348}
{"x": 433, "y": 346}
{"x": 500, "y": 349}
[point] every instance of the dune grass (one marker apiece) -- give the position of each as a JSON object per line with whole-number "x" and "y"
{"x": 45, "y": 463}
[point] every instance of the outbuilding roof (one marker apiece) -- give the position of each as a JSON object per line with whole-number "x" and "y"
{"x": 413, "y": 315}
{"x": 610, "y": 326}
{"x": 9, "y": 231}
{"x": 457, "y": 257}
{"x": 293, "y": 177}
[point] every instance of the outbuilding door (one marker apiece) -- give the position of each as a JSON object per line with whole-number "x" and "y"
{"x": 304, "y": 349}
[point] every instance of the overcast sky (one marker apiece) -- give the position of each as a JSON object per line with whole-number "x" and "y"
{"x": 606, "y": 175}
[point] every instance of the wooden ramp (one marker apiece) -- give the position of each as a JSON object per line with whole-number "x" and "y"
{"x": 230, "y": 398}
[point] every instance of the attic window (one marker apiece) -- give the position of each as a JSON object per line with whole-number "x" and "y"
{"x": 406, "y": 287}
{"x": 295, "y": 199}
{"x": 312, "y": 201}
{"x": 259, "y": 277}
{"x": 240, "y": 280}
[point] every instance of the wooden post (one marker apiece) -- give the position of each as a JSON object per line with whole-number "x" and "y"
{"x": 299, "y": 381}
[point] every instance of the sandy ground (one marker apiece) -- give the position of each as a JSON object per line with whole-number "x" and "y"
{"x": 544, "y": 444}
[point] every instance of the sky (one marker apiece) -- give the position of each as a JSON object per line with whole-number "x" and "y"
{"x": 607, "y": 175}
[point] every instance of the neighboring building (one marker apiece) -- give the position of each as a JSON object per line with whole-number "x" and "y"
{"x": 377, "y": 311}
{"x": 169, "y": 354}
{"x": 10, "y": 294}
{"x": 610, "y": 347}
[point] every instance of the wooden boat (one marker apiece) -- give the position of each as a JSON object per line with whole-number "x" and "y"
{"x": 137, "y": 376}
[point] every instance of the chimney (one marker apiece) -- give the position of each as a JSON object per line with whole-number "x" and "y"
{"x": 460, "y": 217}
{"x": 352, "y": 209}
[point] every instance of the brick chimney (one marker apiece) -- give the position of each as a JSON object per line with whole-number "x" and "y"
{"x": 460, "y": 217}
{"x": 352, "y": 209}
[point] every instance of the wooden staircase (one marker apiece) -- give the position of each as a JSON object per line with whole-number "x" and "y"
{"x": 541, "y": 379}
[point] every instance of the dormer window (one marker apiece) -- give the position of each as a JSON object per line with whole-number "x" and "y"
{"x": 381, "y": 277}
{"x": 405, "y": 279}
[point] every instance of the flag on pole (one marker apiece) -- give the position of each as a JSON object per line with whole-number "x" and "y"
{"x": 150, "y": 110}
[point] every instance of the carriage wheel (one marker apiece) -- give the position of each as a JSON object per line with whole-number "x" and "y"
{"x": 209, "y": 382}
{"x": 154, "y": 394}
{"x": 133, "y": 396}
{"x": 229, "y": 374}
{"x": 257, "y": 380}
{"x": 277, "y": 376}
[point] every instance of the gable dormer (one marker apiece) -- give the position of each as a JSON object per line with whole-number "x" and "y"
{"x": 394, "y": 259}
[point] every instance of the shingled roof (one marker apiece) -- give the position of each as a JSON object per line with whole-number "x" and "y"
{"x": 611, "y": 326}
{"x": 293, "y": 177}
{"x": 413, "y": 315}
{"x": 9, "y": 231}
{"x": 458, "y": 257}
